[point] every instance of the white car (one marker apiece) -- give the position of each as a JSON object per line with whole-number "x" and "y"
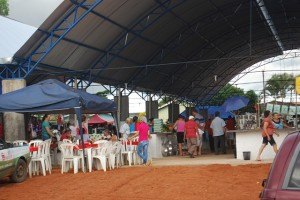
{"x": 14, "y": 161}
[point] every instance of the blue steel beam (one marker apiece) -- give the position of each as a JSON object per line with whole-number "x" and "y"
{"x": 139, "y": 27}
{"x": 64, "y": 26}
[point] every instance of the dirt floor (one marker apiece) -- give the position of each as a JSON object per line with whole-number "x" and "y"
{"x": 175, "y": 182}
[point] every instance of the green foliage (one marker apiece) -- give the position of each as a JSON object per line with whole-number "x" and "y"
{"x": 253, "y": 99}
{"x": 279, "y": 84}
{"x": 103, "y": 93}
{"x": 227, "y": 91}
{"x": 4, "y": 7}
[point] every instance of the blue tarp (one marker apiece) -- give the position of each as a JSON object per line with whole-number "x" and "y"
{"x": 53, "y": 96}
{"x": 211, "y": 111}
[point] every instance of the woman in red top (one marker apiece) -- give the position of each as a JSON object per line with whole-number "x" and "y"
{"x": 267, "y": 134}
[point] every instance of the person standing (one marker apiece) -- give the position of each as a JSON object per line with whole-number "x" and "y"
{"x": 125, "y": 129}
{"x": 210, "y": 135}
{"x": 85, "y": 129}
{"x": 179, "y": 127}
{"x": 190, "y": 132}
{"x": 143, "y": 133}
{"x": 46, "y": 131}
{"x": 267, "y": 134}
{"x": 218, "y": 127}
{"x": 230, "y": 126}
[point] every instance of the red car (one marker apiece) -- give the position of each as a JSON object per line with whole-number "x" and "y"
{"x": 283, "y": 181}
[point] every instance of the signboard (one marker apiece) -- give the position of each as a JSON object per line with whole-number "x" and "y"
{"x": 297, "y": 85}
{"x": 284, "y": 109}
{"x": 269, "y": 107}
{"x": 292, "y": 110}
{"x": 276, "y": 108}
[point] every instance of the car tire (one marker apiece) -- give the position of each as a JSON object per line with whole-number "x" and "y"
{"x": 20, "y": 172}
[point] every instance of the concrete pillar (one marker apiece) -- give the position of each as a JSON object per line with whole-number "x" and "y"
{"x": 152, "y": 109}
{"x": 123, "y": 107}
{"x": 14, "y": 125}
{"x": 173, "y": 111}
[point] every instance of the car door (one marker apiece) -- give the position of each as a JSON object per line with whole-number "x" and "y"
{"x": 6, "y": 163}
{"x": 291, "y": 183}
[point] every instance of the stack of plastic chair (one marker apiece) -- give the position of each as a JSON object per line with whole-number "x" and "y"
{"x": 100, "y": 154}
{"x": 48, "y": 154}
{"x": 33, "y": 143}
{"x": 68, "y": 156}
{"x": 39, "y": 158}
{"x": 126, "y": 150}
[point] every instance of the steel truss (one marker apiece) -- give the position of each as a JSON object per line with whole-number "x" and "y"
{"x": 61, "y": 29}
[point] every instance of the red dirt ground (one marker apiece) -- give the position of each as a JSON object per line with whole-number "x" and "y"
{"x": 190, "y": 182}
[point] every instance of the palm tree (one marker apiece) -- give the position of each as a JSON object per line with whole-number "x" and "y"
{"x": 279, "y": 84}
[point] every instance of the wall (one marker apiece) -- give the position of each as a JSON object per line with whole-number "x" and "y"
{"x": 251, "y": 140}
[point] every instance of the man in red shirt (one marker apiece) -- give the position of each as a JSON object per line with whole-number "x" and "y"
{"x": 190, "y": 132}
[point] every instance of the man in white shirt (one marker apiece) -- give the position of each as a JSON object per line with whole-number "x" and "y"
{"x": 218, "y": 127}
{"x": 125, "y": 129}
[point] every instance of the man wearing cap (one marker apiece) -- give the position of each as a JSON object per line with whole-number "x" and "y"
{"x": 219, "y": 127}
{"x": 190, "y": 132}
{"x": 125, "y": 129}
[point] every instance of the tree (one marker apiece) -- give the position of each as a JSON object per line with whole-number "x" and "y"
{"x": 103, "y": 94}
{"x": 253, "y": 99}
{"x": 227, "y": 91}
{"x": 4, "y": 7}
{"x": 279, "y": 85}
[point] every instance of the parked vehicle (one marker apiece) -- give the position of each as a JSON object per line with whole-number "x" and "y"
{"x": 283, "y": 181}
{"x": 13, "y": 161}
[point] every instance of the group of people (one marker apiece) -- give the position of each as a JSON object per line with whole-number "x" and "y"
{"x": 196, "y": 129}
{"x": 129, "y": 130}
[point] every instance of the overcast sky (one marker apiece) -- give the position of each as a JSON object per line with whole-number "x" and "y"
{"x": 35, "y": 12}
{"x": 32, "y": 12}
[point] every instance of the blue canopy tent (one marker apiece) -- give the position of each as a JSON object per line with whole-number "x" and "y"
{"x": 211, "y": 111}
{"x": 53, "y": 96}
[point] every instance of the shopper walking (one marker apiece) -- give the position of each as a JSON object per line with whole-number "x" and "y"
{"x": 191, "y": 131}
{"x": 179, "y": 127}
{"x": 267, "y": 134}
{"x": 218, "y": 127}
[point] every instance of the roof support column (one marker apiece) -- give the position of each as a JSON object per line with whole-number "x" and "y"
{"x": 14, "y": 125}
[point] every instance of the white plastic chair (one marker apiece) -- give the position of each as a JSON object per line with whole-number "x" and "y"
{"x": 67, "y": 151}
{"x": 115, "y": 155}
{"x": 136, "y": 158}
{"x": 47, "y": 154}
{"x": 39, "y": 158}
{"x": 100, "y": 154}
{"x": 127, "y": 150}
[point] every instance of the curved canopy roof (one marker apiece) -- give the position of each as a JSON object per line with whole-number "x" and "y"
{"x": 186, "y": 48}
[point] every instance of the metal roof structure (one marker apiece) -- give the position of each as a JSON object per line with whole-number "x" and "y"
{"x": 184, "y": 48}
